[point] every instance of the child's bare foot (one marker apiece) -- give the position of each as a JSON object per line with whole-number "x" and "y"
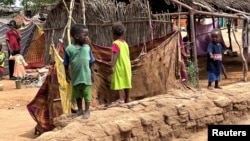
{"x": 79, "y": 112}
{"x": 217, "y": 87}
{"x": 86, "y": 115}
{"x": 210, "y": 88}
{"x": 127, "y": 100}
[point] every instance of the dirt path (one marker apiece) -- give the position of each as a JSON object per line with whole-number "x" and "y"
{"x": 16, "y": 122}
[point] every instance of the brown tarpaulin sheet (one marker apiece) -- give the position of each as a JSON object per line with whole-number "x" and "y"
{"x": 154, "y": 69}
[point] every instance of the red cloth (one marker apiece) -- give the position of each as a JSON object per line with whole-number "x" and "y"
{"x": 13, "y": 37}
{"x": 1, "y": 69}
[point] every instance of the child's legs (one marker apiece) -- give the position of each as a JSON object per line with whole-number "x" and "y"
{"x": 120, "y": 95}
{"x": 127, "y": 97}
{"x": 76, "y": 92}
{"x": 86, "y": 93}
{"x": 217, "y": 79}
{"x": 211, "y": 78}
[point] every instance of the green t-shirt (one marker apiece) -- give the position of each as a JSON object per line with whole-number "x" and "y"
{"x": 79, "y": 61}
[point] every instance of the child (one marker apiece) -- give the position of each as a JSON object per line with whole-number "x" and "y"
{"x": 20, "y": 64}
{"x": 79, "y": 56}
{"x": 13, "y": 38}
{"x": 121, "y": 66}
{"x": 214, "y": 59}
{"x": 2, "y": 60}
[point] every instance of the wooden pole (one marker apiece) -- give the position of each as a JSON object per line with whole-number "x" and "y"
{"x": 193, "y": 45}
{"x": 83, "y": 12}
{"x": 244, "y": 62}
{"x": 208, "y": 13}
{"x": 150, "y": 22}
{"x": 68, "y": 10}
{"x": 69, "y": 20}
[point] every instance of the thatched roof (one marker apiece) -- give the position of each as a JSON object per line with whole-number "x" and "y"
{"x": 218, "y": 5}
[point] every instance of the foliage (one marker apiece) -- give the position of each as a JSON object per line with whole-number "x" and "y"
{"x": 7, "y": 2}
{"x": 35, "y": 5}
{"x": 192, "y": 74}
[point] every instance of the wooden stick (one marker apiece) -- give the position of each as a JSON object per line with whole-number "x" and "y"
{"x": 69, "y": 20}
{"x": 207, "y": 13}
{"x": 203, "y": 6}
{"x": 68, "y": 10}
{"x": 238, "y": 11}
{"x": 83, "y": 12}
{"x": 150, "y": 22}
{"x": 244, "y": 62}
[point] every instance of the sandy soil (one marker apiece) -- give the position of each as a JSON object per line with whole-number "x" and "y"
{"x": 18, "y": 125}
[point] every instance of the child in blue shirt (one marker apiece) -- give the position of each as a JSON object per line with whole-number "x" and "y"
{"x": 214, "y": 59}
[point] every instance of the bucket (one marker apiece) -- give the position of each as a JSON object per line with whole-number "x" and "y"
{"x": 1, "y": 87}
{"x": 18, "y": 84}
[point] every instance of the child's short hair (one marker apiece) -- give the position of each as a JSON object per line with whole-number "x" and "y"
{"x": 215, "y": 31}
{"x": 118, "y": 29}
{"x": 16, "y": 51}
{"x": 76, "y": 29}
{"x": 12, "y": 23}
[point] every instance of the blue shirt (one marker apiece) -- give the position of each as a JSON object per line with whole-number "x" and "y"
{"x": 214, "y": 64}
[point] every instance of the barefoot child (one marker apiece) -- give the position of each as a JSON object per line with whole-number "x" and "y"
{"x": 20, "y": 64}
{"x": 2, "y": 60}
{"x": 121, "y": 66}
{"x": 214, "y": 59}
{"x": 79, "y": 56}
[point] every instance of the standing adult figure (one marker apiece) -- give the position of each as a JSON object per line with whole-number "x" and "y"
{"x": 13, "y": 38}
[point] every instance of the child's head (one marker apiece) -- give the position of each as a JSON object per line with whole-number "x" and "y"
{"x": 12, "y": 24}
{"x": 118, "y": 30}
{"x": 216, "y": 36}
{"x": 79, "y": 33}
{"x": 16, "y": 51}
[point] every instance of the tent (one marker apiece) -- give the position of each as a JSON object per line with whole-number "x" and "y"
{"x": 32, "y": 43}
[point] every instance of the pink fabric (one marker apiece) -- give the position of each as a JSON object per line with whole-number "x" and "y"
{"x": 115, "y": 48}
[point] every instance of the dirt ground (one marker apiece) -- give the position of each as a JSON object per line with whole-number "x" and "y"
{"x": 18, "y": 125}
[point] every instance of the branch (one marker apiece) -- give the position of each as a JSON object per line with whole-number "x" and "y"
{"x": 238, "y": 11}
{"x": 203, "y": 6}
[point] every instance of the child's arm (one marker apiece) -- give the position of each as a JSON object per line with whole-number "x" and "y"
{"x": 91, "y": 64}
{"x": 115, "y": 53}
{"x": 66, "y": 66}
{"x": 210, "y": 51}
{"x": 12, "y": 57}
{"x": 24, "y": 62}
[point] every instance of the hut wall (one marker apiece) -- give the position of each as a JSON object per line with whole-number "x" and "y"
{"x": 100, "y": 14}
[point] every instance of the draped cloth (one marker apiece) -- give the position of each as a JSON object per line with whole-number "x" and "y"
{"x": 203, "y": 38}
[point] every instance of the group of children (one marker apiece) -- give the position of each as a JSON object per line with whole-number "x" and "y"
{"x": 78, "y": 62}
{"x": 16, "y": 62}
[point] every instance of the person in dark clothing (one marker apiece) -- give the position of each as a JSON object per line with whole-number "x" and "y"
{"x": 214, "y": 59}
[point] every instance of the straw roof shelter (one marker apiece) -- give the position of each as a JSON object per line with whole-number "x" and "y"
{"x": 100, "y": 15}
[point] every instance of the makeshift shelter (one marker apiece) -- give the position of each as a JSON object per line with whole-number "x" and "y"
{"x": 157, "y": 51}
{"x": 32, "y": 43}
